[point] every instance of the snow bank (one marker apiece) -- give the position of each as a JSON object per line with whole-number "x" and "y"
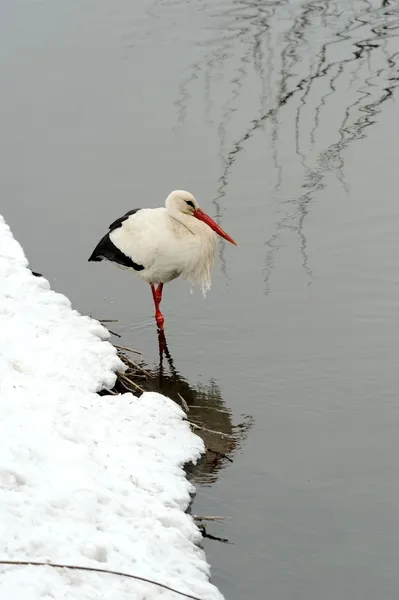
{"x": 86, "y": 480}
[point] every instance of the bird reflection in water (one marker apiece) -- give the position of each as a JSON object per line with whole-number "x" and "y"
{"x": 206, "y": 411}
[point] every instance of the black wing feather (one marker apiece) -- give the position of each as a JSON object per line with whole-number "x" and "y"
{"x": 107, "y": 250}
{"x": 118, "y": 222}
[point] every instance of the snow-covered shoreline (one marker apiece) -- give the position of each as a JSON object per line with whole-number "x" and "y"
{"x": 86, "y": 480}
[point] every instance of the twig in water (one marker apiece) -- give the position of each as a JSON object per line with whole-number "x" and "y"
{"x": 210, "y": 518}
{"x": 96, "y": 570}
{"x": 127, "y": 349}
{"x": 136, "y": 366}
{"x": 222, "y": 454}
{"x": 205, "y": 534}
{"x": 127, "y": 382}
{"x": 138, "y": 387}
{"x": 128, "y": 389}
{"x": 185, "y": 405}
{"x": 224, "y": 412}
{"x": 211, "y": 430}
{"x": 110, "y": 391}
{"x": 108, "y": 320}
{"x": 113, "y": 333}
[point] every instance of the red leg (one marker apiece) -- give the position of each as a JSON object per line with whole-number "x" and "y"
{"x": 157, "y": 296}
{"x": 153, "y": 291}
{"x": 158, "y": 292}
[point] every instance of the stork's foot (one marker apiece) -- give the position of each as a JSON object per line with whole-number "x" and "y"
{"x": 159, "y": 319}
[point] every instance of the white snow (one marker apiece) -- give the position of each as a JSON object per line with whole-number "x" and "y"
{"x": 85, "y": 480}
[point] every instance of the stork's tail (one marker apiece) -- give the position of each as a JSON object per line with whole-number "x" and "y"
{"x": 97, "y": 254}
{"x": 94, "y": 257}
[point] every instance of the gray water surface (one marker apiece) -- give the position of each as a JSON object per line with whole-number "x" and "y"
{"x": 281, "y": 117}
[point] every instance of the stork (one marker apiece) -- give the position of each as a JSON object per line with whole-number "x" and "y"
{"x": 161, "y": 244}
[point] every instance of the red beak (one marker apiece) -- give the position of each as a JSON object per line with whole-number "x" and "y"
{"x": 202, "y": 216}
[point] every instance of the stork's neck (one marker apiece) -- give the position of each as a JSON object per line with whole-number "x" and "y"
{"x": 191, "y": 224}
{"x": 187, "y": 220}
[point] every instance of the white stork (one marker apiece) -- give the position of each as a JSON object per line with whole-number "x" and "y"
{"x": 160, "y": 244}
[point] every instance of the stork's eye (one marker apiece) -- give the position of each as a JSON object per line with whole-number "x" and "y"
{"x": 190, "y": 203}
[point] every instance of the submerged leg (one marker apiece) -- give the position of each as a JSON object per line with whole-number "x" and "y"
{"x": 157, "y": 296}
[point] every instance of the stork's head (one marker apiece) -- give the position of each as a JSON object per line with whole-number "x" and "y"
{"x": 184, "y": 203}
{"x": 181, "y": 201}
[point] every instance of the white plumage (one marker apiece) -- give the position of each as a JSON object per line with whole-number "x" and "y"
{"x": 167, "y": 247}
{"x": 161, "y": 244}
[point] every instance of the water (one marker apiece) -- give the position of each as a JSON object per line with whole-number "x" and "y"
{"x": 281, "y": 117}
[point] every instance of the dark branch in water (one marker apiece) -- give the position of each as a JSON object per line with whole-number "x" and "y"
{"x": 220, "y": 454}
{"x": 195, "y": 426}
{"x": 209, "y": 536}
